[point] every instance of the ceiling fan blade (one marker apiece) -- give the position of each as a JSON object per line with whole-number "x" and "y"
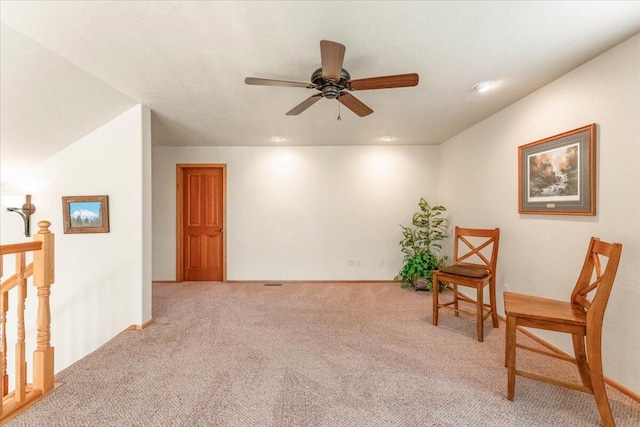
{"x": 385, "y": 82}
{"x": 332, "y": 55}
{"x": 305, "y": 104}
{"x": 354, "y": 104}
{"x": 269, "y": 82}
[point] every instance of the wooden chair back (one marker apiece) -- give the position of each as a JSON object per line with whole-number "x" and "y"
{"x": 476, "y": 247}
{"x": 594, "y": 284}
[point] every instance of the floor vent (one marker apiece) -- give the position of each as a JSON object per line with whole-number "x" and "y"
{"x": 273, "y": 284}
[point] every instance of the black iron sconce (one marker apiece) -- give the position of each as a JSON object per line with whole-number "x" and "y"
{"x": 25, "y": 212}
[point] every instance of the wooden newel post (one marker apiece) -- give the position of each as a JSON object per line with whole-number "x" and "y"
{"x": 43, "y": 277}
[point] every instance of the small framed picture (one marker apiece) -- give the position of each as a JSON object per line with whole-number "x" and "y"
{"x": 85, "y": 214}
{"x": 557, "y": 175}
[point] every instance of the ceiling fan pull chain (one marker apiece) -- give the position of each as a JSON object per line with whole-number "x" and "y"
{"x": 339, "y": 118}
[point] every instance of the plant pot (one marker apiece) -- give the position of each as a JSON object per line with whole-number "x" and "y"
{"x": 421, "y": 283}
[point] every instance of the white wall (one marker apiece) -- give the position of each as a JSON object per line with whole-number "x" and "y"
{"x": 542, "y": 255}
{"x": 46, "y": 102}
{"x": 298, "y": 213}
{"x": 100, "y": 281}
{"x": 145, "y": 216}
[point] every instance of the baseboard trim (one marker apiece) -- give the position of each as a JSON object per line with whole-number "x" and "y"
{"x": 311, "y": 281}
{"x": 140, "y": 327}
{"x": 288, "y": 281}
{"x": 622, "y": 389}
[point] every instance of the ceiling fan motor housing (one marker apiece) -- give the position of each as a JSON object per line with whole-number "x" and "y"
{"x": 330, "y": 89}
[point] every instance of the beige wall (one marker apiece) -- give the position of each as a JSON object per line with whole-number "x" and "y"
{"x": 298, "y": 213}
{"x": 542, "y": 255}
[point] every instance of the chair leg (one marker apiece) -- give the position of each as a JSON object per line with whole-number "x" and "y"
{"x": 594, "y": 343}
{"x": 510, "y": 356}
{"x": 506, "y": 342}
{"x": 581, "y": 360}
{"x": 480, "y": 312}
{"x": 455, "y": 299}
{"x": 435, "y": 292}
{"x": 492, "y": 302}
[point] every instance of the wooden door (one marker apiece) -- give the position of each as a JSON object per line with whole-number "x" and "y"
{"x": 202, "y": 228}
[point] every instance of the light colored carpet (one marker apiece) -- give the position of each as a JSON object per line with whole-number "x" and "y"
{"x": 309, "y": 354}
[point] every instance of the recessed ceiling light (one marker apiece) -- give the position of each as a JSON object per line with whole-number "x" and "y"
{"x": 484, "y": 86}
{"x": 277, "y": 138}
{"x": 388, "y": 138}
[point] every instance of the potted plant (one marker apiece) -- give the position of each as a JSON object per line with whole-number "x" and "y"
{"x": 421, "y": 246}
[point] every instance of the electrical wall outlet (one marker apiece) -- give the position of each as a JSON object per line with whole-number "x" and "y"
{"x": 351, "y": 262}
{"x": 357, "y": 262}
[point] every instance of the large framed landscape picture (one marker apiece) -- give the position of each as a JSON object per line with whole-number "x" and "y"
{"x": 85, "y": 214}
{"x": 557, "y": 175}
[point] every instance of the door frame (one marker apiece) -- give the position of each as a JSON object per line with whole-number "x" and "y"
{"x": 180, "y": 216}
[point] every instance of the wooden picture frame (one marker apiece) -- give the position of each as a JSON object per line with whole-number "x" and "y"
{"x": 85, "y": 214}
{"x": 557, "y": 175}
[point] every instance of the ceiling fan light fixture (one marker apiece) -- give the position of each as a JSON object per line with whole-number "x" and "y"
{"x": 484, "y": 86}
{"x": 388, "y": 138}
{"x": 277, "y": 138}
{"x": 331, "y": 91}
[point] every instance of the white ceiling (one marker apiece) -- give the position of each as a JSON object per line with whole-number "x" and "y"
{"x": 187, "y": 61}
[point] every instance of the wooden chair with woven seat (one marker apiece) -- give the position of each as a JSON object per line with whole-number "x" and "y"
{"x": 580, "y": 317}
{"x": 475, "y": 256}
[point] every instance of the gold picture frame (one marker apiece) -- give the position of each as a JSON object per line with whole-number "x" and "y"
{"x": 557, "y": 175}
{"x": 85, "y": 214}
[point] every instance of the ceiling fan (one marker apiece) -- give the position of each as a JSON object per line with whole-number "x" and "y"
{"x": 334, "y": 82}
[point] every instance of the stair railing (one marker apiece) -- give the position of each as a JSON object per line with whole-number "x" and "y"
{"x": 42, "y": 270}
